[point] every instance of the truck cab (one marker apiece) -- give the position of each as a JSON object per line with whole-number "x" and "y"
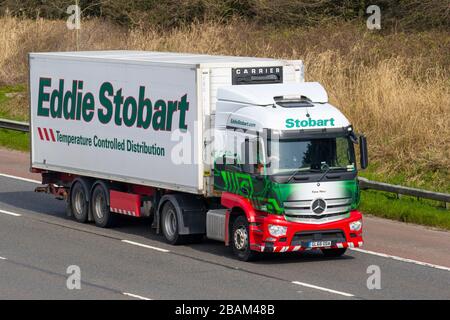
{"x": 286, "y": 158}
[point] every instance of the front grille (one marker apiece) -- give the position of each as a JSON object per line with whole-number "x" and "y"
{"x": 304, "y": 237}
{"x": 314, "y": 216}
{"x": 301, "y": 211}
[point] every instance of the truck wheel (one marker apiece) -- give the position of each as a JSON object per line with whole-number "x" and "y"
{"x": 333, "y": 253}
{"x": 169, "y": 224}
{"x": 103, "y": 217}
{"x": 240, "y": 240}
{"x": 78, "y": 204}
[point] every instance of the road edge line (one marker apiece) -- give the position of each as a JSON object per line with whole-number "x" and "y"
{"x": 10, "y": 213}
{"x": 322, "y": 288}
{"x": 389, "y": 256}
{"x": 20, "y": 178}
{"x": 135, "y": 296}
{"x": 145, "y": 246}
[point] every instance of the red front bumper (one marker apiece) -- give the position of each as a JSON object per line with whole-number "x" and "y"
{"x": 261, "y": 240}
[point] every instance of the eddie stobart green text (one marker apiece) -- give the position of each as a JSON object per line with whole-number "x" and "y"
{"x": 114, "y": 106}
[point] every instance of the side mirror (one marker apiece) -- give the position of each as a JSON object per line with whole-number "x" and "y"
{"x": 364, "y": 159}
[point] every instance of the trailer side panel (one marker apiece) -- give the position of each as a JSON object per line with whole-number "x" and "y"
{"x": 117, "y": 121}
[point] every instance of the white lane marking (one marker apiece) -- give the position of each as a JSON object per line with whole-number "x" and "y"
{"x": 384, "y": 255}
{"x": 322, "y": 288}
{"x": 20, "y": 178}
{"x": 145, "y": 246}
{"x": 3, "y": 258}
{"x": 135, "y": 296}
{"x": 10, "y": 213}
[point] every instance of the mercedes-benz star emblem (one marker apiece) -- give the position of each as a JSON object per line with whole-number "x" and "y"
{"x": 318, "y": 206}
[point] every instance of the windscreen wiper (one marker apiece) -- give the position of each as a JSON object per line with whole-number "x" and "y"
{"x": 297, "y": 171}
{"x": 328, "y": 170}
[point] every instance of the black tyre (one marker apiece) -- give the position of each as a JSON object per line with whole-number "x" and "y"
{"x": 103, "y": 217}
{"x": 78, "y": 204}
{"x": 240, "y": 240}
{"x": 169, "y": 224}
{"x": 333, "y": 253}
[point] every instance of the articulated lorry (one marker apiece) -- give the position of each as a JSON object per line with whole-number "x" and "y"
{"x": 240, "y": 150}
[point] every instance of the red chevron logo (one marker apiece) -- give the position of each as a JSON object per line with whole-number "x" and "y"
{"x": 46, "y": 134}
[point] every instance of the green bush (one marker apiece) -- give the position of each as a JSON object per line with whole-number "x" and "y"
{"x": 407, "y": 14}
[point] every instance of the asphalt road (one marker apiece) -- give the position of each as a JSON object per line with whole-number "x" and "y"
{"x": 38, "y": 244}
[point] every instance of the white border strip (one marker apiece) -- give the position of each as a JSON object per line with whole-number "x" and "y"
{"x": 145, "y": 246}
{"x": 322, "y": 288}
{"x": 384, "y": 255}
{"x": 135, "y": 296}
{"x": 10, "y": 213}
{"x": 3, "y": 258}
{"x": 20, "y": 178}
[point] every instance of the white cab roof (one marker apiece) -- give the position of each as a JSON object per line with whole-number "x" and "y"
{"x": 275, "y": 118}
{"x": 264, "y": 94}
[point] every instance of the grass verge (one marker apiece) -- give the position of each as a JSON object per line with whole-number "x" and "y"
{"x": 14, "y": 102}
{"x": 437, "y": 180}
{"x": 14, "y": 106}
{"x": 14, "y": 140}
{"x": 405, "y": 209}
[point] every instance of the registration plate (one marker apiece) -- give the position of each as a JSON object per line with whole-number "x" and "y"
{"x": 318, "y": 244}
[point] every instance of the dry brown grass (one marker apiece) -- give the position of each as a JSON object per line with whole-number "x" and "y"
{"x": 395, "y": 88}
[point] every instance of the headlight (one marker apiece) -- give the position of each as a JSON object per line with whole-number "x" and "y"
{"x": 355, "y": 225}
{"x": 277, "y": 231}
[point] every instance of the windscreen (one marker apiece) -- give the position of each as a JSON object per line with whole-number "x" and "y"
{"x": 307, "y": 155}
